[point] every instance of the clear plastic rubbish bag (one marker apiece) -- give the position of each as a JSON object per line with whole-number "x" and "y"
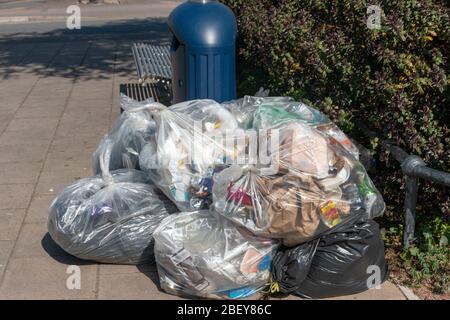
{"x": 148, "y": 157}
{"x": 264, "y": 112}
{"x": 189, "y": 151}
{"x": 272, "y": 113}
{"x": 316, "y": 187}
{"x": 244, "y": 109}
{"x": 109, "y": 218}
{"x": 347, "y": 261}
{"x": 201, "y": 255}
{"x": 129, "y": 133}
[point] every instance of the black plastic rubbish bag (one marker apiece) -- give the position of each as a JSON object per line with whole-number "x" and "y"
{"x": 109, "y": 218}
{"x": 290, "y": 267}
{"x": 347, "y": 261}
{"x": 130, "y": 132}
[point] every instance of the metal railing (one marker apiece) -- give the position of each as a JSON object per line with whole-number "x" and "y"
{"x": 413, "y": 168}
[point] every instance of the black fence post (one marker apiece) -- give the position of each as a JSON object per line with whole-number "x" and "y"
{"x": 409, "y": 165}
{"x": 410, "y": 210}
{"x": 413, "y": 168}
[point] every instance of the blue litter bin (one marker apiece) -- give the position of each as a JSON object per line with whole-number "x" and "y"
{"x": 203, "y": 51}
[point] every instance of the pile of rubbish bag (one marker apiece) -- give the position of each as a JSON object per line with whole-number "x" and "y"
{"x": 260, "y": 194}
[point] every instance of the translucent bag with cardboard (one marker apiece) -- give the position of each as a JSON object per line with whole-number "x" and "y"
{"x": 109, "y": 218}
{"x": 202, "y": 255}
{"x": 313, "y": 186}
{"x": 188, "y": 150}
{"x": 129, "y": 133}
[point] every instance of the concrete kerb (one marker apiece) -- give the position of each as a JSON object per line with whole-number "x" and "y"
{"x": 408, "y": 293}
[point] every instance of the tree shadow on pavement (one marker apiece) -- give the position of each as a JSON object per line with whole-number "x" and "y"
{"x": 94, "y": 52}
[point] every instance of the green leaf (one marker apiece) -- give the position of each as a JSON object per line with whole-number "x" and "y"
{"x": 414, "y": 251}
{"x": 443, "y": 242}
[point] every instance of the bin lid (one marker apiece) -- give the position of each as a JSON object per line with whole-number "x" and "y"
{"x": 203, "y": 23}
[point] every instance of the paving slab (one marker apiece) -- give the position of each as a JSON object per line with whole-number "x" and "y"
{"x": 34, "y": 241}
{"x": 93, "y": 90}
{"x": 11, "y": 100}
{"x": 90, "y": 106}
{"x": 26, "y": 136}
{"x": 44, "y": 101}
{"x": 10, "y": 222}
{"x": 50, "y": 90}
{"x": 53, "y": 83}
{"x": 131, "y": 286}
{"x": 4, "y": 121}
{"x": 43, "y": 278}
{"x": 8, "y": 109}
{"x": 387, "y": 291}
{"x": 23, "y": 152}
{"x": 25, "y": 131}
{"x": 47, "y": 111}
{"x": 53, "y": 182}
{"x": 19, "y": 172}
{"x": 112, "y": 269}
{"x": 38, "y": 210}
{"x": 79, "y": 143}
{"x": 5, "y": 251}
{"x": 71, "y": 128}
{"x": 15, "y": 196}
{"x": 83, "y": 119}
{"x": 63, "y": 161}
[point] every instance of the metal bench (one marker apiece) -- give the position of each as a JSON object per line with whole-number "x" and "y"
{"x": 140, "y": 92}
{"x": 154, "y": 72}
{"x": 152, "y": 62}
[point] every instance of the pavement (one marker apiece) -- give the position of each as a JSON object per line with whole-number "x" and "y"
{"x": 59, "y": 94}
{"x": 56, "y": 10}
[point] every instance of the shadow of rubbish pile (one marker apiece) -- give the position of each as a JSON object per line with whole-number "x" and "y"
{"x": 59, "y": 255}
{"x": 94, "y": 52}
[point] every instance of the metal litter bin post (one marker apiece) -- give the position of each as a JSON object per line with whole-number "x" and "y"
{"x": 203, "y": 51}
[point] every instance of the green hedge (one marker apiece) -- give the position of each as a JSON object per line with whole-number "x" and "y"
{"x": 395, "y": 78}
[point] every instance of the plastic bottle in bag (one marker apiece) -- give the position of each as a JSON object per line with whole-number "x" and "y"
{"x": 129, "y": 133}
